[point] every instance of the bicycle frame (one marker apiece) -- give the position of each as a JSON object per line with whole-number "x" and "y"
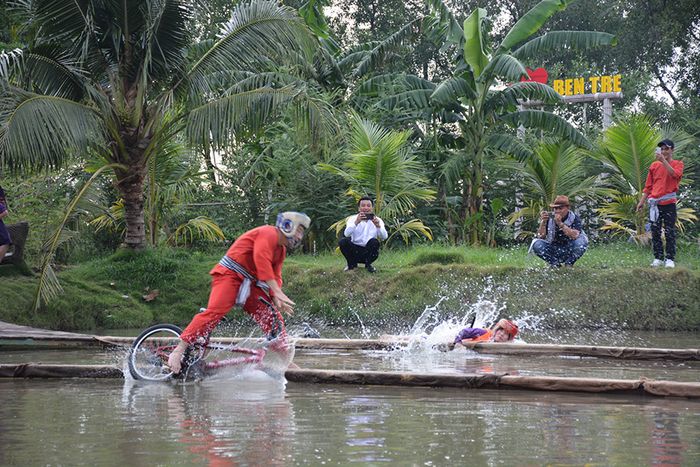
{"x": 148, "y": 357}
{"x": 254, "y": 356}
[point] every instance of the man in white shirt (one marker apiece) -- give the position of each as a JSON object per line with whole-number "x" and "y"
{"x": 362, "y": 234}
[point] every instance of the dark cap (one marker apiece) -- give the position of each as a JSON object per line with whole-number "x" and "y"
{"x": 666, "y": 142}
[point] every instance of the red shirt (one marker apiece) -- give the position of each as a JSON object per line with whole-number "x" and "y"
{"x": 660, "y": 182}
{"x": 259, "y": 252}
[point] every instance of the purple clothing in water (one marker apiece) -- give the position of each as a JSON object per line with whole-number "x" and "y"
{"x": 469, "y": 333}
{"x": 4, "y": 234}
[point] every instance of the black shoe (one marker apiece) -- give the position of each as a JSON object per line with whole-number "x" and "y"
{"x": 370, "y": 268}
{"x": 349, "y": 268}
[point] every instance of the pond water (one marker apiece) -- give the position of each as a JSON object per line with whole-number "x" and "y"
{"x": 252, "y": 419}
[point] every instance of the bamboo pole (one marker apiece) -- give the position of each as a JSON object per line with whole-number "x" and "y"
{"x": 386, "y": 378}
{"x": 387, "y": 342}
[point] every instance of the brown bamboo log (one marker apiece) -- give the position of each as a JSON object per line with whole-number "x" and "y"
{"x": 43, "y": 370}
{"x": 389, "y": 342}
{"x": 623, "y": 353}
{"x": 496, "y": 381}
{"x": 386, "y": 378}
{"x": 24, "y": 337}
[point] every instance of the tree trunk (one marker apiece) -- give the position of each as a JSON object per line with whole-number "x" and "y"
{"x": 130, "y": 186}
{"x": 472, "y": 200}
{"x": 130, "y": 183}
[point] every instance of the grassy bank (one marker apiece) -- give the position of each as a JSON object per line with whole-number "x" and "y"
{"x": 611, "y": 285}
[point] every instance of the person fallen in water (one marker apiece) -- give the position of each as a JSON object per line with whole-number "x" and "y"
{"x": 504, "y": 330}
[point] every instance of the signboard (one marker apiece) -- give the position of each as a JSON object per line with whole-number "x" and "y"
{"x": 579, "y": 85}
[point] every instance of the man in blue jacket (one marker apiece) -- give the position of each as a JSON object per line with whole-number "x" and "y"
{"x": 560, "y": 237}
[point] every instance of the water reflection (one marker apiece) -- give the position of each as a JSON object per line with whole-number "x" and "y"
{"x": 667, "y": 447}
{"x": 259, "y": 421}
{"x": 222, "y": 421}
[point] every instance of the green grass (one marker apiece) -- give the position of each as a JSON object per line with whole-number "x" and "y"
{"x": 611, "y": 284}
{"x": 599, "y": 256}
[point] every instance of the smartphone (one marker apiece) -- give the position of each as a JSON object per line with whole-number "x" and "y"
{"x": 369, "y": 216}
{"x": 658, "y": 151}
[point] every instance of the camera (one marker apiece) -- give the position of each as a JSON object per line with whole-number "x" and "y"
{"x": 552, "y": 214}
{"x": 369, "y": 216}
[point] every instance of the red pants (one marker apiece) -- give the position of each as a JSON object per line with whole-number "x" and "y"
{"x": 224, "y": 289}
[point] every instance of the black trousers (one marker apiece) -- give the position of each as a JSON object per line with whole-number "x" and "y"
{"x": 667, "y": 217}
{"x": 359, "y": 254}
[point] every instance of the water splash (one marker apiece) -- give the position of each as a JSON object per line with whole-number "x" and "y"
{"x": 366, "y": 333}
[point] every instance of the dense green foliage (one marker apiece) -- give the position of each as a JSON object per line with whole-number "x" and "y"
{"x": 216, "y": 129}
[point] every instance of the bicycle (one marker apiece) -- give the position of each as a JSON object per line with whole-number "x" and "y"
{"x": 148, "y": 356}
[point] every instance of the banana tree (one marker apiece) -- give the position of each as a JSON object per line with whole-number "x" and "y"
{"x": 478, "y": 92}
{"x": 380, "y": 164}
{"x": 126, "y": 76}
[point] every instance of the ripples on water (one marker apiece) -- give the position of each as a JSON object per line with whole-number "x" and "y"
{"x": 254, "y": 420}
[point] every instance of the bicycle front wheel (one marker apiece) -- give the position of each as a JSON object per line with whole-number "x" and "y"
{"x": 148, "y": 357}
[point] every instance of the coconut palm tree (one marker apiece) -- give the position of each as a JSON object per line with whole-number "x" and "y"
{"x": 380, "y": 164}
{"x": 627, "y": 150}
{"x": 478, "y": 94}
{"x": 123, "y": 77}
{"x": 171, "y": 181}
{"x": 555, "y": 168}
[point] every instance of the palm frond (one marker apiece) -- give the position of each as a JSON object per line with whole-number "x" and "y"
{"x": 54, "y": 72}
{"x": 10, "y": 61}
{"x": 112, "y": 220}
{"x": 627, "y": 147}
{"x": 217, "y": 121}
{"x": 198, "y": 228}
{"x": 165, "y": 36}
{"x": 260, "y": 33}
{"x": 547, "y": 121}
{"x": 61, "y": 19}
{"x": 408, "y": 228}
{"x": 557, "y": 168}
{"x": 315, "y": 118}
{"x": 375, "y": 56}
{"x": 39, "y": 131}
{"x": 48, "y": 286}
{"x": 560, "y": 40}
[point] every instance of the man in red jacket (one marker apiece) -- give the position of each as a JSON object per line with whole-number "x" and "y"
{"x": 251, "y": 268}
{"x": 660, "y": 190}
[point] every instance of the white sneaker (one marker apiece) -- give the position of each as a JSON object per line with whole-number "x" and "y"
{"x": 670, "y": 264}
{"x": 656, "y": 263}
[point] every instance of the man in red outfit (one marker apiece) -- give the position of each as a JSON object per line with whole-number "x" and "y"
{"x": 251, "y": 268}
{"x": 660, "y": 190}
